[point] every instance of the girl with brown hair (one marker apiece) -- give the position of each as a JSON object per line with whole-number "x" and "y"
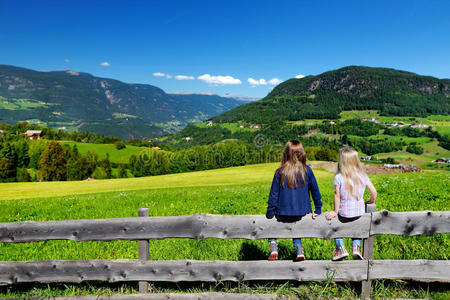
{"x": 289, "y": 198}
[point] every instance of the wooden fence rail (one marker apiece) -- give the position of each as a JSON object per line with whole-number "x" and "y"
{"x": 202, "y": 226}
{"x": 180, "y": 270}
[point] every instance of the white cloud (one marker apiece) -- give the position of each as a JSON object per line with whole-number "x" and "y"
{"x": 184, "y": 77}
{"x": 105, "y": 64}
{"x": 275, "y": 81}
{"x": 255, "y": 82}
{"x": 299, "y": 76}
{"x": 67, "y": 60}
{"x": 219, "y": 80}
{"x": 159, "y": 74}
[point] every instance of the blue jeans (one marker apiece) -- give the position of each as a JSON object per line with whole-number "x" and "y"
{"x": 340, "y": 242}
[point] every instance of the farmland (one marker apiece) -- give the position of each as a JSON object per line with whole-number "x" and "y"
{"x": 241, "y": 190}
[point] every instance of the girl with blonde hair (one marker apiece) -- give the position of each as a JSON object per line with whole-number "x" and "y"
{"x": 289, "y": 198}
{"x": 350, "y": 182}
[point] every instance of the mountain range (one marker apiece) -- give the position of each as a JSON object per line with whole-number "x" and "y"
{"x": 74, "y": 100}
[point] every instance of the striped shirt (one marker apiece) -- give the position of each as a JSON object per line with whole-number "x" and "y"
{"x": 351, "y": 206}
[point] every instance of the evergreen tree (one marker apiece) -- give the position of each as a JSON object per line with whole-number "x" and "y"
{"x": 23, "y": 175}
{"x": 106, "y": 165}
{"x": 23, "y": 157}
{"x": 53, "y": 162}
{"x": 7, "y": 170}
{"x": 122, "y": 171}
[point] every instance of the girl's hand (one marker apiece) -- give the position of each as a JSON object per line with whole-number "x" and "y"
{"x": 314, "y": 216}
{"x": 330, "y": 215}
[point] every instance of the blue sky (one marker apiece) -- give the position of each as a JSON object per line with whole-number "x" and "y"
{"x": 225, "y": 47}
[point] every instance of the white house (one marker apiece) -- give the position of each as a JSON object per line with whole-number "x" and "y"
{"x": 34, "y": 134}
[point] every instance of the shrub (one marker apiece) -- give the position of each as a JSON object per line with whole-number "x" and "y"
{"x": 119, "y": 145}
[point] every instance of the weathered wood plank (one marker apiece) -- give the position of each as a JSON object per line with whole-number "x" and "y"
{"x": 366, "y": 285}
{"x": 199, "y": 226}
{"x": 410, "y": 223}
{"x": 144, "y": 252}
{"x": 174, "y": 271}
{"x": 418, "y": 270}
{"x": 168, "y": 296}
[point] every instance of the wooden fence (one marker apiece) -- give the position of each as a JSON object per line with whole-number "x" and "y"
{"x": 202, "y": 226}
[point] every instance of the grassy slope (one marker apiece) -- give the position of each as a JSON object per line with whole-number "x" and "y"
{"x": 241, "y": 190}
{"x": 118, "y": 156}
{"x": 220, "y": 177}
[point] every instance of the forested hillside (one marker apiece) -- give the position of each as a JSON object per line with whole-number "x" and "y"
{"x": 389, "y": 91}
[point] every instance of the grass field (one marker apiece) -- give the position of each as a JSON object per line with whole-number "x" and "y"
{"x": 351, "y": 114}
{"x": 241, "y": 190}
{"x": 233, "y": 127}
{"x": 18, "y": 104}
{"x": 117, "y": 156}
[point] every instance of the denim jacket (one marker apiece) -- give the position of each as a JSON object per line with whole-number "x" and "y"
{"x": 286, "y": 201}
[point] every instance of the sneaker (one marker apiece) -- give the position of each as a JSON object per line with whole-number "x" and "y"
{"x": 300, "y": 253}
{"x": 339, "y": 253}
{"x": 273, "y": 251}
{"x": 357, "y": 253}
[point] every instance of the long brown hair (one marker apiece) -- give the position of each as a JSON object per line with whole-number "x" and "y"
{"x": 293, "y": 162}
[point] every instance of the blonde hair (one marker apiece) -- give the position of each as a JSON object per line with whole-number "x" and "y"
{"x": 351, "y": 170}
{"x": 293, "y": 162}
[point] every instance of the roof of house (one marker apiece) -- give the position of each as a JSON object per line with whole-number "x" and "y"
{"x": 31, "y": 132}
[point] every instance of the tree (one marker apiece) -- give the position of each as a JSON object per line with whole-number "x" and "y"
{"x": 119, "y": 145}
{"x": 122, "y": 171}
{"x": 106, "y": 165}
{"x": 53, "y": 162}
{"x": 23, "y": 158}
{"x": 8, "y": 163}
{"x": 7, "y": 170}
{"x": 23, "y": 175}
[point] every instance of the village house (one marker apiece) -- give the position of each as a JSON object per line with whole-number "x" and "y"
{"x": 420, "y": 126}
{"x": 241, "y": 126}
{"x": 188, "y": 138}
{"x": 1, "y": 132}
{"x": 156, "y": 148}
{"x": 442, "y": 160}
{"x": 393, "y": 166}
{"x": 366, "y": 158}
{"x": 210, "y": 123}
{"x": 34, "y": 134}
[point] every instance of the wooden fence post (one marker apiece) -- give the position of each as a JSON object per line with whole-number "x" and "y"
{"x": 368, "y": 255}
{"x": 144, "y": 252}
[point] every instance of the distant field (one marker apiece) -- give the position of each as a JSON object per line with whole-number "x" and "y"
{"x": 431, "y": 152}
{"x": 233, "y": 127}
{"x": 237, "y": 175}
{"x": 351, "y": 114}
{"x": 17, "y": 104}
{"x": 117, "y": 156}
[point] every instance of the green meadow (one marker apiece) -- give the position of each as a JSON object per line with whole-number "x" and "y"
{"x": 240, "y": 190}
{"x": 117, "y": 156}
